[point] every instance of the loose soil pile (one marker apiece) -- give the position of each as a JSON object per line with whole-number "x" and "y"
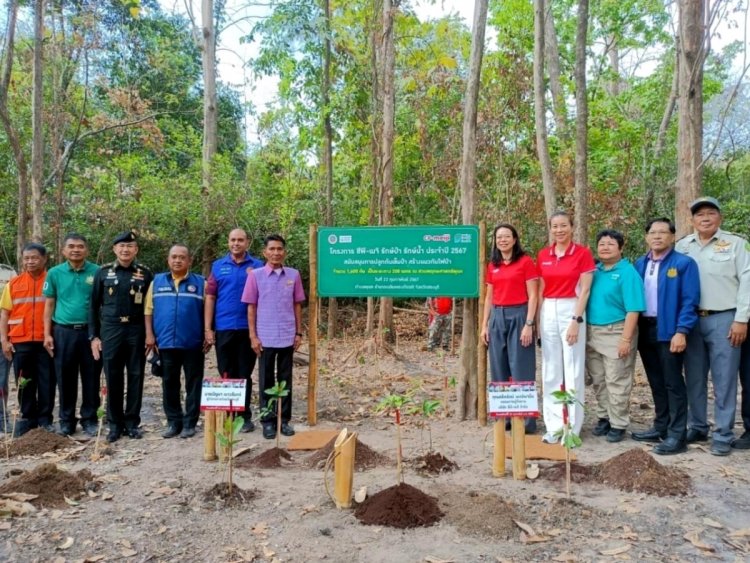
{"x": 400, "y": 506}
{"x": 364, "y": 456}
{"x": 270, "y": 459}
{"x": 221, "y": 495}
{"x": 51, "y": 485}
{"x": 433, "y": 463}
{"x": 632, "y": 471}
{"x": 635, "y": 470}
{"x": 483, "y": 515}
{"x": 39, "y": 441}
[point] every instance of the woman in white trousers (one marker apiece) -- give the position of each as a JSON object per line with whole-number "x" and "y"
{"x": 565, "y": 270}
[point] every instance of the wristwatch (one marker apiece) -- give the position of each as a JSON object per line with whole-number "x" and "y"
{"x": 529, "y": 322}
{"x": 579, "y": 320}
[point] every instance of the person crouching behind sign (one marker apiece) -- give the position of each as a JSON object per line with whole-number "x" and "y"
{"x": 274, "y": 296}
{"x": 617, "y": 299}
{"x": 509, "y": 310}
{"x": 174, "y": 329}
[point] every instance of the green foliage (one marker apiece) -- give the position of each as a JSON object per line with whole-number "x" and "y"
{"x": 231, "y": 430}
{"x": 426, "y": 408}
{"x": 393, "y": 402}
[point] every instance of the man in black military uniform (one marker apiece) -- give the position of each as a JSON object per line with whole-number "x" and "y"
{"x": 118, "y": 334}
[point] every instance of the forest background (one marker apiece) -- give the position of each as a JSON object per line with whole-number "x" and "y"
{"x": 121, "y": 124}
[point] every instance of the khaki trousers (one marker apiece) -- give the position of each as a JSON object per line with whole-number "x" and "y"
{"x": 612, "y": 377}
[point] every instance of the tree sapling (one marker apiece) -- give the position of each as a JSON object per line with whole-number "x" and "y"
{"x": 568, "y": 438}
{"x": 395, "y": 403}
{"x": 277, "y": 392}
{"x": 227, "y": 437}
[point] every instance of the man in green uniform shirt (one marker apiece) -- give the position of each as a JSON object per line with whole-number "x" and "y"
{"x": 118, "y": 334}
{"x": 66, "y": 316}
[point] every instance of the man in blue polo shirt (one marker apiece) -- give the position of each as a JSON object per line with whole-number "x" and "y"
{"x": 616, "y": 300}
{"x": 226, "y": 315}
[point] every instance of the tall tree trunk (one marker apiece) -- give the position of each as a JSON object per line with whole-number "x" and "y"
{"x": 542, "y": 147}
{"x": 613, "y": 53}
{"x": 14, "y": 139}
{"x": 582, "y": 118}
{"x": 209, "y": 111}
{"x": 690, "y": 109}
{"x": 552, "y": 53}
{"x": 328, "y": 147}
{"x": 37, "y": 132}
{"x": 385, "y": 320}
{"x": 467, "y": 391}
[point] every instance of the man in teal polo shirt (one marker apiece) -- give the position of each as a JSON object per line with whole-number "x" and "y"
{"x": 617, "y": 299}
{"x": 66, "y": 313}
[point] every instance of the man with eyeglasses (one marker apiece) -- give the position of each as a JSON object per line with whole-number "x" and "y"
{"x": 672, "y": 286}
{"x": 724, "y": 267}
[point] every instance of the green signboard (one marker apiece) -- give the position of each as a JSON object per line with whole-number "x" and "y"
{"x": 398, "y": 261}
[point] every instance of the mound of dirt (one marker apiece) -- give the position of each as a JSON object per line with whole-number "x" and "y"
{"x": 270, "y": 459}
{"x": 364, "y": 456}
{"x": 51, "y": 485}
{"x": 579, "y": 473}
{"x": 39, "y": 441}
{"x": 635, "y": 470}
{"x": 433, "y": 463}
{"x": 482, "y": 515}
{"x": 221, "y": 495}
{"x": 400, "y": 506}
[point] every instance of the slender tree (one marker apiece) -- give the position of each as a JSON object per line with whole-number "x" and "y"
{"x": 540, "y": 111}
{"x": 552, "y": 58}
{"x": 582, "y": 118}
{"x": 325, "y": 89}
{"x": 210, "y": 117}
{"x": 37, "y": 132}
{"x": 467, "y": 384}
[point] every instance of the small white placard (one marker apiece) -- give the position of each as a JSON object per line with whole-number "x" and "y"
{"x": 223, "y": 394}
{"x": 516, "y": 398}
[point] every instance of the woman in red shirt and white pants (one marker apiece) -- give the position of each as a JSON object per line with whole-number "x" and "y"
{"x": 566, "y": 271}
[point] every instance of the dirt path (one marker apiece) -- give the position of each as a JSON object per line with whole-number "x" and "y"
{"x": 150, "y": 503}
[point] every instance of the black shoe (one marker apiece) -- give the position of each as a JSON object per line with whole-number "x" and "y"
{"x": 171, "y": 431}
{"x": 694, "y": 435}
{"x": 66, "y": 429}
{"x": 650, "y": 435}
{"x": 287, "y": 429}
{"x": 187, "y": 433}
{"x": 743, "y": 442}
{"x": 615, "y": 435}
{"x": 269, "y": 431}
{"x": 720, "y": 448}
{"x": 602, "y": 427}
{"x": 48, "y": 427}
{"x": 114, "y": 435}
{"x": 670, "y": 446}
{"x": 90, "y": 429}
{"x": 135, "y": 433}
{"x": 248, "y": 426}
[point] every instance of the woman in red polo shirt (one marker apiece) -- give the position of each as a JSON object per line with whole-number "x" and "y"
{"x": 509, "y": 310}
{"x": 566, "y": 270}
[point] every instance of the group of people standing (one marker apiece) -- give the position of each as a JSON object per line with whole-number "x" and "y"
{"x": 79, "y": 319}
{"x": 684, "y": 308}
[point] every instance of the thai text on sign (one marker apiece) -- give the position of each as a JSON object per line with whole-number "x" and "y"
{"x": 511, "y": 398}
{"x": 223, "y": 394}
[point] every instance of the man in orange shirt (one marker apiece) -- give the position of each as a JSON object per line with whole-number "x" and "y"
{"x": 441, "y": 315}
{"x": 22, "y": 338}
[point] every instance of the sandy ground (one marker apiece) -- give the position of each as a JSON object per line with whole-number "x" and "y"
{"x": 150, "y": 505}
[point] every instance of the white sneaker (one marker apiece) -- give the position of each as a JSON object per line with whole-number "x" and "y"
{"x": 550, "y": 438}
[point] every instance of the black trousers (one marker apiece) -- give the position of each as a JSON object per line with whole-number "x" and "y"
{"x": 73, "y": 357}
{"x": 173, "y": 361}
{"x": 235, "y": 358}
{"x": 123, "y": 348}
{"x": 276, "y": 366}
{"x": 664, "y": 373}
{"x": 745, "y": 383}
{"x": 37, "y": 398}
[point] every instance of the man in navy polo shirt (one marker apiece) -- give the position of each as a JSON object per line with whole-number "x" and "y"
{"x": 226, "y": 315}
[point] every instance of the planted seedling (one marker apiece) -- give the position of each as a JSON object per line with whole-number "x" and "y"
{"x": 22, "y": 383}
{"x": 426, "y": 410}
{"x": 568, "y": 438}
{"x": 448, "y": 383}
{"x": 277, "y": 392}
{"x": 227, "y": 437}
{"x": 394, "y": 403}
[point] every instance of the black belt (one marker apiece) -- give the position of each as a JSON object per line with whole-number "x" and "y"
{"x": 709, "y": 312}
{"x": 74, "y": 327}
{"x": 510, "y": 306}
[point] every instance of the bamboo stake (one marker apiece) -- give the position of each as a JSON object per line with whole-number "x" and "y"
{"x": 518, "y": 436}
{"x": 498, "y": 455}
{"x": 344, "y": 449}
{"x": 209, "y": 436}
{"x": 221, "y": 417}
{"x": 399, "y": 453}
{"x": 481, "y": 348}
{"x": 312, "y": 370}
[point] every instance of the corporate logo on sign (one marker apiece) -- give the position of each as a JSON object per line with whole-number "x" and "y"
{"x": 462, "y": 238}
{"x": 436, "y": 238}
{"x": 343, "y": 239}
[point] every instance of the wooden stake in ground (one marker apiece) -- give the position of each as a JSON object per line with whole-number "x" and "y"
{"x": 498, "y": 454}
{"x": 518, "y": 436}
{"x": 344, "y": 450}
{"x": 209, "y": 436}
{"x": 312, "y": 369}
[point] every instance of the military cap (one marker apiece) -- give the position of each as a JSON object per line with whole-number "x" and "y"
{"x": 704, "y": 202}
{"x": 127, "y": 236}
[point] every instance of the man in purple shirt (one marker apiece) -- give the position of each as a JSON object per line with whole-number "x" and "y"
{"x": 274, "y": 296}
